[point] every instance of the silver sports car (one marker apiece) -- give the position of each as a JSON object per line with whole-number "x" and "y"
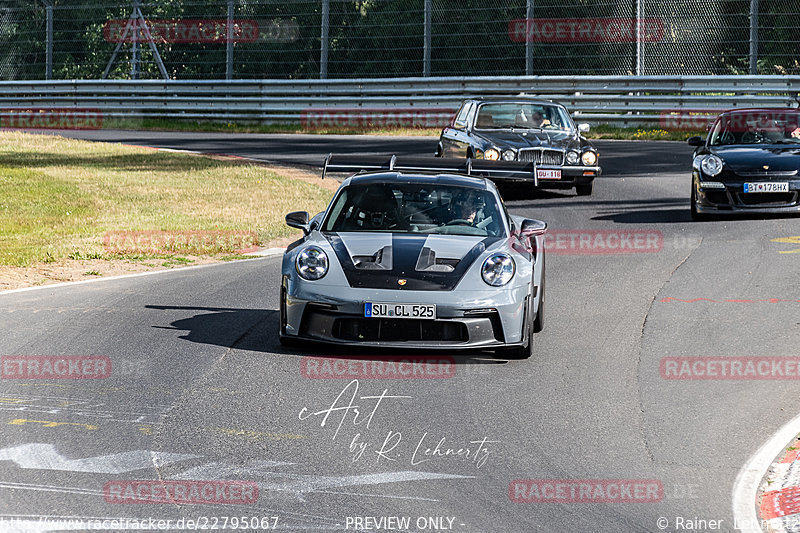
{"x": 415, "y": 260}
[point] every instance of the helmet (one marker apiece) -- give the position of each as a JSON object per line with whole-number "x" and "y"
{"x": 375, "y": 208}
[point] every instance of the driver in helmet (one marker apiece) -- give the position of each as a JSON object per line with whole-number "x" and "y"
{"x": 467, "y": 207}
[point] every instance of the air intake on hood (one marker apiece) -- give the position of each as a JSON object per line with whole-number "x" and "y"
{"x": 380, "y": 260}
{"x": 427, "y": 262}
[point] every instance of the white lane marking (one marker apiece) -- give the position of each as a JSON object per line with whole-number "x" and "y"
{"x": 301, "y": 484}
{"x": 745, "y": 488}
{"x": 309, "y": 483}
{"x": 136, "y": 275}
{"x": 45, "y": 457}
{"x": 49, "y": 488}
{"x": 77, "y": 490}
{"x": 267, "y": 252}
{"x": 220, "y": 471}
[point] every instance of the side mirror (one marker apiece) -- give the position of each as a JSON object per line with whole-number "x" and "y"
{"x": 299, "y": 220}
{"x": 695, "y": 141}
{"x": 584, "y": 128}
{"x": 460, "y": 125}
{"x": 532, "y": 228}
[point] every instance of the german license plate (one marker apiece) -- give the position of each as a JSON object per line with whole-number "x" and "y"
{"x": 780, "y": 186}
{"x": 381, "y": 310}
{"x": 547, "y": 174}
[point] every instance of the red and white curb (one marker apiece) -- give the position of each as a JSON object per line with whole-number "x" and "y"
{"x": 767, "y": 484}
{"x": 780, "y": 495}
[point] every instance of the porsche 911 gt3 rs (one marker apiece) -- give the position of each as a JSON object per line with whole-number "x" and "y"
{"x": 415, "y": 260}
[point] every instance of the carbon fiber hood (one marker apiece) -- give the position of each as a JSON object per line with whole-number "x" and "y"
{"x": 398, "y": 261}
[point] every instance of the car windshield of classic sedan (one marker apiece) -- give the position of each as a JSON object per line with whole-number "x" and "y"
{"x": 522, "y": 115}
{"x": 756, "y": 127}
{"x": 415, "y": 208}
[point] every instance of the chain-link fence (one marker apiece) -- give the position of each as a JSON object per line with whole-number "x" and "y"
{"x": 270, "y": 39}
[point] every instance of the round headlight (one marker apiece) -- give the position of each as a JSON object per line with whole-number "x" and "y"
{"x": 491, "y": 154}
{"x": 573, "y": 158}
{"x": 498, "y": 270}
{"x": 509, "y": 155}
{"x": 589, "y": 158}
{"x": 711, "y": 165}
{"x": 312, "y": 263}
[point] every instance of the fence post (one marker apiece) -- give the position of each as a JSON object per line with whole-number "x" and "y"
{"x": 528, "y": 43}
{"x": 753, "y": 37}
{"x": 229, "y": 43}
{"x": 426, "y": 53}
{"x": 638, "y": 37}
{"x": 323, "y": 52}
{"x": 48, "y": 74}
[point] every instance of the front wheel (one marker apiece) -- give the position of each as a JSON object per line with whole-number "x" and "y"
{"x": 538, "y": 323}
{"x": 526, "y": 350}
{"x": 585, "y": 189}
{"x": 696, "y": 215}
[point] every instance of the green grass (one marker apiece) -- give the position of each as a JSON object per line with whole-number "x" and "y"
{"x": 604, "y": 131}
{"x": 59, "y": 197}
{"x": 601, "y": 131}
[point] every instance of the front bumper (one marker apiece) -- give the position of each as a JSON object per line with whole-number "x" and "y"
{"x": 464, "y": 319}
{"x": 570, "y": 176}
{"x": 732, "y": 199}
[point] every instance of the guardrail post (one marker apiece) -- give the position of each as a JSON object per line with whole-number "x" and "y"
{"x": 426, "y": 54}
{"x": 528, "y": 43}
{"x": 753, "y": 37}
{"x": 323, "y": 51}
{"x": 229, "y": 43}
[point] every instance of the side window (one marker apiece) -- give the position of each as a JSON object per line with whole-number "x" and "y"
{"x": 716, "y": 137}
{"x": 471, "y": 113}
{"x": 461, "y": 117}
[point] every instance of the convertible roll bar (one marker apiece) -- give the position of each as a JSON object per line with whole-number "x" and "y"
{"x": 496, "y": 170}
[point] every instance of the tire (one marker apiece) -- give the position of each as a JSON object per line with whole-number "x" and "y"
{"x": 289, "y": 342}
{"x": 525, "y": 351}
{"x": 696, "y": 215}
{"x": 585, "y": 189}
{"x": 538, "y": 323}
{"x": 284, "y": 339}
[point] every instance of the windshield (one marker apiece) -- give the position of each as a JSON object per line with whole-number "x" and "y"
{"x": 415, "y": 208}
{"x": 522, "y": 115}
{"x": 757, "y": 127}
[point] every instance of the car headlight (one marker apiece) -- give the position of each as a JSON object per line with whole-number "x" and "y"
{"x": 589, "y": 158}
{"x": 573, "y": 158}
{"x": 498, "y": 270}
{"x": 312, "y": 263}
{"x": 491, "y": 154}
{"x": 509, "y": 155}
{"x": 711, "y": 165}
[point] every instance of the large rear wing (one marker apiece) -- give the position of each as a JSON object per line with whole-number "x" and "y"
{"x": 495, "y": 170}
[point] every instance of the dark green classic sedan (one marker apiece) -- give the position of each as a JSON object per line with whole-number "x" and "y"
{"x": 524, "y": 130}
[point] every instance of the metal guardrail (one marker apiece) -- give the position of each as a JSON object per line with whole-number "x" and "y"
{"x": 618, "y": 100}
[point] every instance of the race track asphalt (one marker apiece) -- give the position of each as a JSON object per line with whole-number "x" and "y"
{"x": 201, "y": 386}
